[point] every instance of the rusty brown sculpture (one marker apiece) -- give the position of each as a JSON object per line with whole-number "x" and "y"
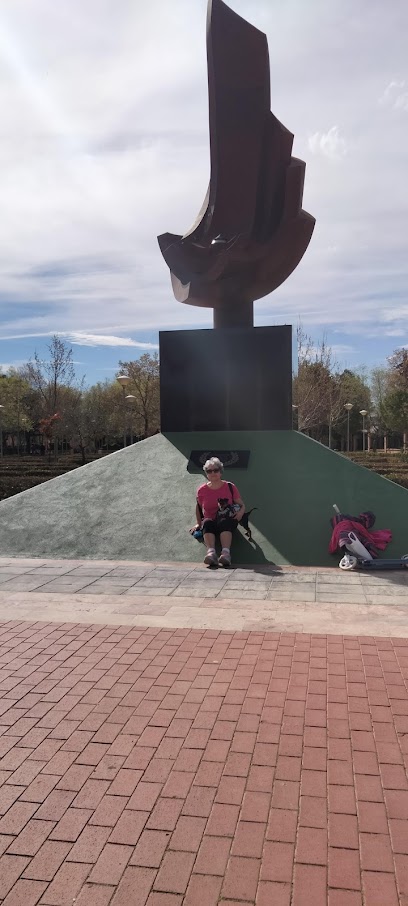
{"x": 251, "y": 231}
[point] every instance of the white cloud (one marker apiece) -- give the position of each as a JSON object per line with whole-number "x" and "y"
{"x": 331, "y": 144}
{"x": 343, "y": 349}
{"x": 23, "y": 336}
{"x": 83, "y": 339}
{"x": 394, "y": 96}
{"x": 5, "y": 366}
{"x": 80, "y": 338}
{"x": 401, "y": 102}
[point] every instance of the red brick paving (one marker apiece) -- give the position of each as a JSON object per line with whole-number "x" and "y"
{"x": 164, "y": 767}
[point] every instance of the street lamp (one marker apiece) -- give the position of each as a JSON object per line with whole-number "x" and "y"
{"x": 364, "y": 412}
{"x": 1, "y": 430}
{"x": 123, "y": 380}
{"x": 129, "y": 399}
{"x": 349, "y": 407}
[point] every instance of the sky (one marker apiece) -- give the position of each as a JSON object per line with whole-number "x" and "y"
{"x": 104, "y": 145}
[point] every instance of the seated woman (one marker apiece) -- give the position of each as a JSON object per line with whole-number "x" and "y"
{"x": 215, "y": 513}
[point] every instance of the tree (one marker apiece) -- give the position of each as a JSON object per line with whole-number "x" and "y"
{"x": 355, "y": 390}
{"x": 47, "y": 426}
{"x": 144, "y": 375}
{"x": 335, "y": 404}
{"x": 320, "y": 392}
{"x": 395, "y": 403}
{"x": 380, "y": 386}
{"x": 399, "y": 368}
{"x": 92, "y": 416}
{"x": 47, "y": 377}
{"x": 396, "y": 412}
{"x": 316, "y": 392}
{"x": 16, "y": 398}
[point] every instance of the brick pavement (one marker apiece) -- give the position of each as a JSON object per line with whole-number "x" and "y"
{"x": 179, "y": 767}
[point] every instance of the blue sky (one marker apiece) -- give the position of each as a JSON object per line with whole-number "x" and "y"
{"x": 104, "y": 145}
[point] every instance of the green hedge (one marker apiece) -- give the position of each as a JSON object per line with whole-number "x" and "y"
{"x": 11, "y": 485}
{"x": 18, "y": 473}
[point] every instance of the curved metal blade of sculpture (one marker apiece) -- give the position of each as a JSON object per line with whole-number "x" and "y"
{"x": 251, "y": 231}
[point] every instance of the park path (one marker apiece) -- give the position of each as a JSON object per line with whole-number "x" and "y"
{"x": 168, "y": 766}
{"x": 188, "y": 596}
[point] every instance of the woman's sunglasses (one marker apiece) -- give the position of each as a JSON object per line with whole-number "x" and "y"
{"x": 209, "y": 471}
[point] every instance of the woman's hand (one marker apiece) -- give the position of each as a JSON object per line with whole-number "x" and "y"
{"x": 239, "y": 514}
{"x": 195, "y": 528}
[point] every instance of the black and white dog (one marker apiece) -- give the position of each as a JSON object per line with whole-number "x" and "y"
{"x": 226, "y": 508}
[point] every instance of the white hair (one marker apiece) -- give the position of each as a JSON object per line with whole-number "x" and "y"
{"x": 214, "y": 462}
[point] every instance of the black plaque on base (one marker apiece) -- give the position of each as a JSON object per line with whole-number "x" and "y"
{"x": 231, "y": 459}
{"x": 229, "y": 379}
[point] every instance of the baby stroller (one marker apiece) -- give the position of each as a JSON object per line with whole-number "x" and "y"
{"x": 361, "y": 545}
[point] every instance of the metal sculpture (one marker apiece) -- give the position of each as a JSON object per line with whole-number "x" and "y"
{"x": 251, "y": 231}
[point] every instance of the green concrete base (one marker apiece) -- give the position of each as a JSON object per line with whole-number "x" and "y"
{"x": 138, "y": 503}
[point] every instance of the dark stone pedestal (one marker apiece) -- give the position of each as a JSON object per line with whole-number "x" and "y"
{"x": 233, "y": 379}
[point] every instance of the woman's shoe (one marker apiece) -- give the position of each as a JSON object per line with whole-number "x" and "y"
{"x": 225, "y": 560}
{"x": 211, "y": 560}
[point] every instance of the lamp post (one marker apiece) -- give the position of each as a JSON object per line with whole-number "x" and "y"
{"x": 1, "y": 430}
{"x": 129, "y": 399}
{"x": 363, "y": 413}
{"x": 349, "y": 407}
{"x": 123, "y": 380}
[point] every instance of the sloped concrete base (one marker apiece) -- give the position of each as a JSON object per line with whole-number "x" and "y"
{"x": 139, "y": 503}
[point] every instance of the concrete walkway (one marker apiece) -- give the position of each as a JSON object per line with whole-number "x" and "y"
{"x": 164, "y": 765}
{"x": 191, "y": 596}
